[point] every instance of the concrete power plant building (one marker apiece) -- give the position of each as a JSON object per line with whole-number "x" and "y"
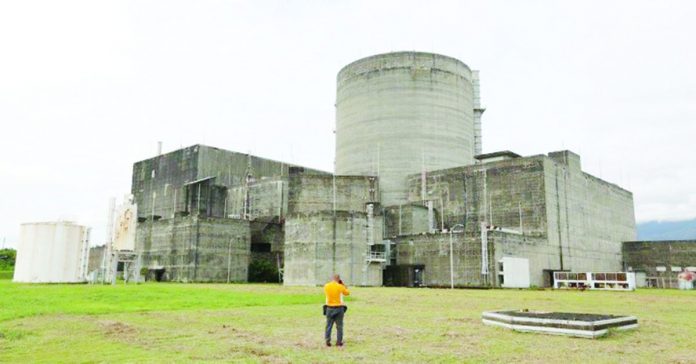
{"x": 412, "y": 200}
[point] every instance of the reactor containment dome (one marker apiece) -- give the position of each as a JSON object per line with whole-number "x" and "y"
{"x": 403, "y": 113}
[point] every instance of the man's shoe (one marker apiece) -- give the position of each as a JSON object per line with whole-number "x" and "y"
{"x": 328, "y": 343}
{"x": 339, "y": 344}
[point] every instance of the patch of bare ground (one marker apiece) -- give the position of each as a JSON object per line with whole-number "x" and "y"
{"x": 260, "y": 354}
{"x": 399, "y": 332}
{"x": 683, "y": 358}
{"x": 465, "y": 320}
{"x": 119, "y": 330}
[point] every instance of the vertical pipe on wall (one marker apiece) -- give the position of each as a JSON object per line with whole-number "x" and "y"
{"x": 519, "y": 211}
{"x": 229, "y": 261}
{"x": 333, "y": 246}
{"x": 400, "y": 225}
{"x": 484, "y": 249}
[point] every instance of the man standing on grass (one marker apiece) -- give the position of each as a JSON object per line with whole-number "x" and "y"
{"x": 335, "y": 309}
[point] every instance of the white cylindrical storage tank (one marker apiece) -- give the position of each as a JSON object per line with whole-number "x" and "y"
{"x": 52, "y": 252}
{"x": 400, "y": 113}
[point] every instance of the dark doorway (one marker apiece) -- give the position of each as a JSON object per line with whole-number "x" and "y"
{"x": 156, "y": 274}
{"x": 405, "y": 275}
{"x": 548, "y": 276}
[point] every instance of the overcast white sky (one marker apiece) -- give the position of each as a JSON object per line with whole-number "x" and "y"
{"x": 87, "y": 88}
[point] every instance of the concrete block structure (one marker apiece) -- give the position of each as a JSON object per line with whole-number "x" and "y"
{"x": 412, "y": 200}
{"x": 334, "y": 224}
{"x": 197, "y": 249}
{"x": 205, "y": 214}
{"x": 657, "y": 263}
{"x": 544, "y": 208}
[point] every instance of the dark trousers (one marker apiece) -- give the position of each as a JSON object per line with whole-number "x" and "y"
{"x": 334, "y": 314}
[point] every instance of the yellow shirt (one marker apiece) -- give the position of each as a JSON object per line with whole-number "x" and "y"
{"x": 333, "y": 291}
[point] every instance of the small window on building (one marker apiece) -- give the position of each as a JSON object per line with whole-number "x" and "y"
{"x": 676, "y": 269}
{"x": 661, "y": 268}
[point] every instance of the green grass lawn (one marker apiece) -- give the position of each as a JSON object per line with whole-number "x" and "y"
{"x": 271, "y": 323}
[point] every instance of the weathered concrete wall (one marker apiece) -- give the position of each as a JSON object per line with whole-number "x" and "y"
{"x": 433, "y": 251}
{"x": 320, "y": 241}
{"x": 540, "y": 253}
{"x": 96, "y": 257}
{"x": 645, "y": 256}
{"x": 270, "y": 235}
{"x": 196, "y": 249}
{"x": 587, "y": 216}
{"x": 582, "y": 218}
{"x": 237, "y": 185}
{"x": 407, "y": 219}
{"x": 267, "y": 200}
{"x": 312, "y": 193}
{"x": 313, "y": 253}
{"x": 509, "y": 193}
{"x": 160, "y": 180}
{"x": 231, "y": 168}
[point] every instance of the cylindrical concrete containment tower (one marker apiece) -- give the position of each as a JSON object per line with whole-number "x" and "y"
{"x": 403, "y": 113}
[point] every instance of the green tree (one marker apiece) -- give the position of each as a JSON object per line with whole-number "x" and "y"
{"x": 7, "y": 259}
{"x": 263, "y": 270}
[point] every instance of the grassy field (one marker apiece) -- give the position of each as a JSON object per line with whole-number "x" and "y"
{"x": 6, "y": 274}
{"x": 271, "y": 323}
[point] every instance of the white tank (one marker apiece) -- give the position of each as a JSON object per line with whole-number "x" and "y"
{"x": 52, "y": 252}
{"x": 402, "y": 113}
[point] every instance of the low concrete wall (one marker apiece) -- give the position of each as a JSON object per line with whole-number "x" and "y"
{"x": 646, "y": 256}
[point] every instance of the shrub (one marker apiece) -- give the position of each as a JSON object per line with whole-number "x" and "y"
{"x": 7, "y": 259}
{"x": 263, "y": 270}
